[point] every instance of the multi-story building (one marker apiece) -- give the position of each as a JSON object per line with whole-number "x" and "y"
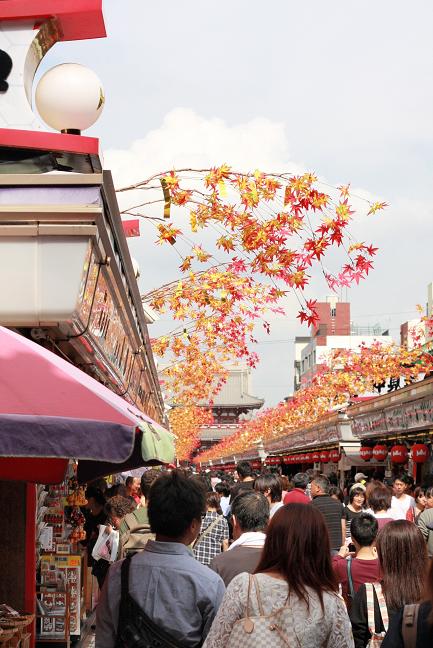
{"x": 418, "y": 331}
{"x": 333, "y": 330}
{"x": 300, "y": 344}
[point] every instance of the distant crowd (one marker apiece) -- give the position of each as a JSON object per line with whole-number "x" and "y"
{"x": 219, "y": 560}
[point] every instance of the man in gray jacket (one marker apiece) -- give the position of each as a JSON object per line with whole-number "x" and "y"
{"x": 167, "y": 584}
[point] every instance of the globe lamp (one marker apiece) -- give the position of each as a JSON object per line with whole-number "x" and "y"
{"x": 70, "y": 98}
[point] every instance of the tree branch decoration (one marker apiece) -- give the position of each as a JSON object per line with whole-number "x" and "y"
{"x": 348, "y": 373}
{"x": 272, "y": 231}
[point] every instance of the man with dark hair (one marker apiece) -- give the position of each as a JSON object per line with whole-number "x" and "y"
{"x": 246, "y": 479}
{"x": 170, "y": 595}
{"x": 298, "y": 495}
{"x": 250, "y": 516}
{"x": 364, "y": 566}
{"x": 146, "y": 481}
{"x": 401, "y": 502}
{"x": 331, "y": 509}
{"x": 270, "y": 486}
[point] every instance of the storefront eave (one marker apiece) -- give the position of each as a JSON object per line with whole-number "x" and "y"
{"x": 403, "y": 395}
{"x": 100, "y": 221}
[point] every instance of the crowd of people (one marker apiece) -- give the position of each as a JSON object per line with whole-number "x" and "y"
{"x": 206, "y": 560}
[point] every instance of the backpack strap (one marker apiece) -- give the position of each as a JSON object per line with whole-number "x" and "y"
{"x": 409, "y": 625}
{"x": 351, "y": 589}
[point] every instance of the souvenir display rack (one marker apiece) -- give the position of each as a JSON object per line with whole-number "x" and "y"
{"x": 62, "y": 573}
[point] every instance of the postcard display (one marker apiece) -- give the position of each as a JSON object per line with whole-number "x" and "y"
{"x": 59, "y": 527}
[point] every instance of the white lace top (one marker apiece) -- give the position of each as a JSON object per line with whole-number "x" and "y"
{"x": 309, "y": 628}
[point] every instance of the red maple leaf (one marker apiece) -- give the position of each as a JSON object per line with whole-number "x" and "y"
{"x": 371, "y": 250}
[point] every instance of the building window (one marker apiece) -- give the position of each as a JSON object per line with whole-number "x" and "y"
{"x": 333, "y": 312}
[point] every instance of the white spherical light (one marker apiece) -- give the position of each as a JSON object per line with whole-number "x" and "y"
{"x": 70, "y": 97}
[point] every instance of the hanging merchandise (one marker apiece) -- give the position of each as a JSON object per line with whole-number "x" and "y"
{"x": 380, "y": 452}
{"x": 399, "y": 454}
{"x": 420, "y": 453}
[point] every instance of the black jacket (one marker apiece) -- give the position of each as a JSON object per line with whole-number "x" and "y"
{"x": 424, "y": 638}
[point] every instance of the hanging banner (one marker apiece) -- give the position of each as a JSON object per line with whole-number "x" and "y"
{"x": 131, "y": 227}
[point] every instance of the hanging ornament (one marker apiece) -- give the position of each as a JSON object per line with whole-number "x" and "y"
{"x": 380, "y": 452}
{"x": 366, "y": 453}
{"x": 399, "y": 454}
{"x": 420, "y": 453}
{"x": 324, "y": 456}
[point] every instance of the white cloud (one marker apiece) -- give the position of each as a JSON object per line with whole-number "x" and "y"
{"x": 186, "y": 139}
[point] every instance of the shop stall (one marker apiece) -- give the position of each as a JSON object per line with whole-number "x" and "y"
{"x": 329, "y": 446}
{"x": 51, "y": 412}
{"x": 397, "y": 429}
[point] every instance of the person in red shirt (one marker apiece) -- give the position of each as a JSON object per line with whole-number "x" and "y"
{"x": 298, "y": 495}
{"x": 353, "y": 571}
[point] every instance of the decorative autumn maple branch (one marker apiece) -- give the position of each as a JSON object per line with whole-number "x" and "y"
{"x": 273, "y": 229}
{"x": 348, "y": 373}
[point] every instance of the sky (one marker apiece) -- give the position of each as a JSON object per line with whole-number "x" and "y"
{"x": 342, "y": 88}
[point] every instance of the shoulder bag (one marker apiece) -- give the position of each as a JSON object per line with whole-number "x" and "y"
{"x": 376, "y": 638}
{"x": 136, "y": 629}
{"x": 263, "y": 630}
{"x": 204, "y": 533}
{"x": 350, "y": 588}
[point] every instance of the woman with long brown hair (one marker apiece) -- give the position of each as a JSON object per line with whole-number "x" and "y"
{"x": 402, "y": 554}
{"x": 292, "y": 599}
{"x": 422, "y": 632}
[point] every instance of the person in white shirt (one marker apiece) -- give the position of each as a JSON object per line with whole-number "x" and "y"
{"x": 401, "y": 502}
{"x": 270, "y": 486}
{"x": 223, "y": 489}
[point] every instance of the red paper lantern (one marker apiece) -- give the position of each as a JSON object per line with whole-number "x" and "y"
{"x": 315, "y": 456}
{"x": 324, "y": 456}
{"x": 308, "y": 457}
{"x": 366, "y": 453}
{"x": 420, "y": 453}
{"x": 334, "y": 456}
{"x": 399, "y": 454}
{"x": 380, "y": 452}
